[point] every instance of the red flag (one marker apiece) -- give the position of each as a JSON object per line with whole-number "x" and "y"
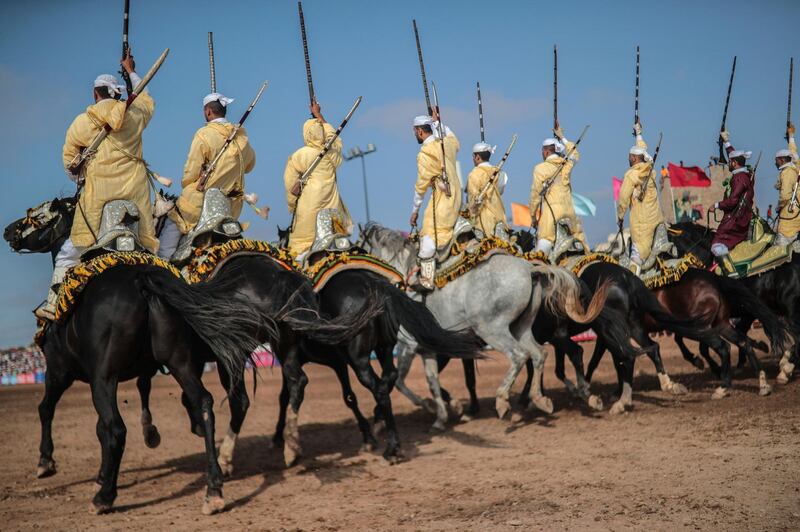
{"x": 617, "y": 183}
{"x": 688, "y": 176}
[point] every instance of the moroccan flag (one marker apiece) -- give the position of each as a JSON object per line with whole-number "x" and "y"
{"x": 520, "y": 215}
{"x": 617, "y": 183}
{"x": 689, "y": 176}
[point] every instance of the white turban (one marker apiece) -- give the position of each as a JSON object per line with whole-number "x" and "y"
{"x": 217, "y": 97}
{"x": 560, "y": 148}
{"x": 741, "y": 153}
{"x": 423, "y": 120}
{"x": 482, "y": 147}
{"x": 107, "y": 80}
{"x": 638, "y": 150}
{"x": 785, "y": 153}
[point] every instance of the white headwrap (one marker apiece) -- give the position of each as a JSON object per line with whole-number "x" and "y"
{"x": 741, "y": 153}
{"x": 423, "y": 120}
{"x": 785, "y": 153}
{"x": 482, "y": 147}
{"x": 107, "y": 80}
{"x": 217, "y": 97}
{"x": 560, "y": 148}
{"x": 638, "y": 150}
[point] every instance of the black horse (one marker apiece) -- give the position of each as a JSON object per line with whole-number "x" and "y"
{"x": 778, "y": 289}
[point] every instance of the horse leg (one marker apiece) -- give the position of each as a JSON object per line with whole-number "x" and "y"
{"x": 653, "y": 351}
{"x": 384, "y": 400}
{"x": 723, "y": 349}
{"x": 455, "y": 405}
{"x": 597, "y": 356}
{"x": 297, "y": 380}
{"x": 624, "y": 367}
{"x": 746, "y": 345}
{"x": 690, "y": 357}
{"x": 431, "y": 366}
{"x": 111, "y": 432}
{"x": 405, "y": 356}
{"x": 55, "y": 384}
{"x": 239, "y": 403}
{"x": 582, "y": 389}
{"x": 152, "y": 438}
{"x": 469, "y": 378}
{"x": 525, "y": 394}
{"x": 368, "y": 440}
{"x": 283, "y": 404}
{"x": 712, "y": 364}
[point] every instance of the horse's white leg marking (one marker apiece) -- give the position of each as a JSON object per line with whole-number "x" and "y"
{"x": 225, "y": 457}
{"x": 432, "y": 374}
{"x": 624, "y": 401}
{"x": 764, "y": 388}
{"x": 667, "y": 385}
{"x": 786, "y": 369}
{"x": 405, "y": 357}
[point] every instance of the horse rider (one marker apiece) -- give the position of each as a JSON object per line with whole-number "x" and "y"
{"x": 443, "y": 208}
{"x": 638, "y": 191}
{"x": 320, "y": 191}
{"x": 737, "y": 205}
{"x": 492, "y": 211}
{"x": 228, "y": 175}
{"x": 115, "y": 172}
{"x": 788, "y": 207}
{"x": 551, "y": 191}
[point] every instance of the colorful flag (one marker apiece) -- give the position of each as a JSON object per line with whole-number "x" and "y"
{"x": 521, "y": 215}
{"x": 617, "y": 182}
{"x": 583, "y": 205}
{"x": 688, "y": 176}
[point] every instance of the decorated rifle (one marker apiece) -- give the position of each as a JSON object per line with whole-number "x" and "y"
{"x": 78, "y": 163}
{"x": 122, "y": 71}
{"x": 555, "y": 87}
{"x": 445, "y": 183}
{"x": 422, "y": 70}
{"x": 552, "y": 178}
{"x": 789, "y": 105}
{"x": 636, "y": 93}
{"x": 474, "y": 208}
{"x": 312, "y": 97}
{"x": 722, "y": 157}
{"x": 640, "y": 197}
{"x": 211, "y": 166}
{"x": 480, "y": 113}
{"x": 301, "y": 183}
{"x": 211, "y": 64}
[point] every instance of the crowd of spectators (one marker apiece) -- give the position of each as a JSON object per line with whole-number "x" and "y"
{"x": 21, "y": 365}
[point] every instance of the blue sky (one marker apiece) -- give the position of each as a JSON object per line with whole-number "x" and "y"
{"x": 50, "y": 51}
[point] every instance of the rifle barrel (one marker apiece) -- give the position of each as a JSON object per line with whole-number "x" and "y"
{"x": 311, "y": 95}
{"x": 211, "y": 65}
{"x": 555, "y": 87}
{"x": 125, "y": 45}
{"x": 636, "y": 96}
{"x": 789, "y": 106}
{"x": 480, "y": 112}
{"x": 422, "y": 69}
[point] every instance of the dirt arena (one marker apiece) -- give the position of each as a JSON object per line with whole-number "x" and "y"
{"x": 671, "y": 463}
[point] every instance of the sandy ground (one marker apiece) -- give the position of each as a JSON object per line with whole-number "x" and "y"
{"x": 671, "y": 463}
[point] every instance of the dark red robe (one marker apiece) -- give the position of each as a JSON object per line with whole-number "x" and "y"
{"x": 738, "y": 209}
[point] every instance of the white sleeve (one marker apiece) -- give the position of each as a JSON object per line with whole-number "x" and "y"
{"x": 417, "y": 201}
{"x": 726, "y": 144}
{"x": 447, "y": 130}
{"x": 135, "y": 79}
{"x": 502, "y": 181}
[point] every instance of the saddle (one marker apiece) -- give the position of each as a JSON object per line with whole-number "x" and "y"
{"x": 662, "y": 252}
{"x": 566, "y": 244}
{"x": 758, "y": 253}
{"x": 330, "y": 235}
{"x": 216, "y": 223}
{"x": 119, "y": 230}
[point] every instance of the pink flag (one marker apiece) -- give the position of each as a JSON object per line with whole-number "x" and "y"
{"x": 617, "y": 185}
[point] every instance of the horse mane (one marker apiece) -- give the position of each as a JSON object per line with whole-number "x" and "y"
{"x": 389, "y": 239}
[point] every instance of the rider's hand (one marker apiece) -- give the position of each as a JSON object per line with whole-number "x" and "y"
{"x": 637, "y": 128}
{"x": 128, "y": 64}
{"x": 413, "y": 220}
{"x": 724, "y": 135}
{"x": 316, "y": 110}
{"x": 790, "y": 130}
{"x": 558, "y": 132}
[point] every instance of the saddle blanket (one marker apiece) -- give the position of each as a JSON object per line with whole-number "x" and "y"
{"x": 354, "y": 259}
{"x": 205, "y": 262}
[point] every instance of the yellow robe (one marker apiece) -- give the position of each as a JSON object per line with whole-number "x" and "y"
{"x": 645, "y": 214}
{"x": 117, "y": 170}
{"x": 492, "y": 211}
{"x": 320, "y": 191}
{"x": 228, "y": 176}
{"x": 789, "y": 223}
{"x": 559, "y": 195}
{"x": 429, "y": 168}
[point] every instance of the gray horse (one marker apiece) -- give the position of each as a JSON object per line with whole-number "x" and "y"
{"x": 498, "y": 300}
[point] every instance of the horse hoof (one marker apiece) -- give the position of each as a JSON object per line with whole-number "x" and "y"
{"x": 429, "y": 405}
{"x": 393, "y": 457}
{"x": 152, "y": 438}
{"x": 378, "y": 427}
{"x": 290, "y": 456}
{"x": 678, "y": 389}
{"x": 367, "y": 447}
{"x": 544, "y": 404}
{"x": 595, "y": 402}
{"x": 46, "y": 468}
{"x": 617, "y": 408}
{"x": 764, "y": 390}
{"x": 438, "y": 426}
{"x": 226, "y": 467}
{"x": 502, "y": 406}
{"x": 720, "y": 393}
{"x": 213, "y": 505}
{"x": 516, "y": 417}
{"x": 782, "y": 378}
{"x": 99, "y": 506}
{"x": 699, "y": 364}
{"x": 276, "y": 442}
{"x": 466, "y": 417}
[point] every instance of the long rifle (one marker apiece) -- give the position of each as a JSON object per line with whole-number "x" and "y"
{"x": 422, "y": 69}
{"x": 552, "y": 178}
{"x": 440, "y": 130}
{"x": 555, "y": 87}
{"x": 636, "y": 96}
{"x": 475, "y": 205}
{"x": 480, "y": 112}
{"x": 643, "y": 188}
{"x": 722, "y": 157}
{"x": 122, "y": 71}
{"x": 789, "y": 106}
{"x": 78, "y": 162}
{"x": 311, "y": 95}
{"x": 211, "y": 65}
{"x": 301, "y": 183}
{"x": 211, "y": 166}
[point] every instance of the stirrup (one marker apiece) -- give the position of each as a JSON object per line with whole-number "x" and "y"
{"x": 45, "y": 311}
{"x": 728, "y": 268}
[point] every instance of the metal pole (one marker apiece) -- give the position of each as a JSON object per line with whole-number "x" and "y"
{"x": 364, "y": 176}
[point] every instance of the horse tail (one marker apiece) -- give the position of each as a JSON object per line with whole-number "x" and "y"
{"x": 646, "y": 302}
{"x": 612, "y": 325}
{"x": 226, "y": 323}
{"x": 748, "y": 303}
{"x": 562, "y": 295}
{"x": 423, "y": 326}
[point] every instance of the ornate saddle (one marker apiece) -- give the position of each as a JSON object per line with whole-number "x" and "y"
{"x": 330, "y": 235}
{"x": 566, "y": 244}
{"x": 119, "y": 230}
{"x": 216, "y": 223}
{"x": 757, "y": 253}
{"x": 661, "y": 252}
